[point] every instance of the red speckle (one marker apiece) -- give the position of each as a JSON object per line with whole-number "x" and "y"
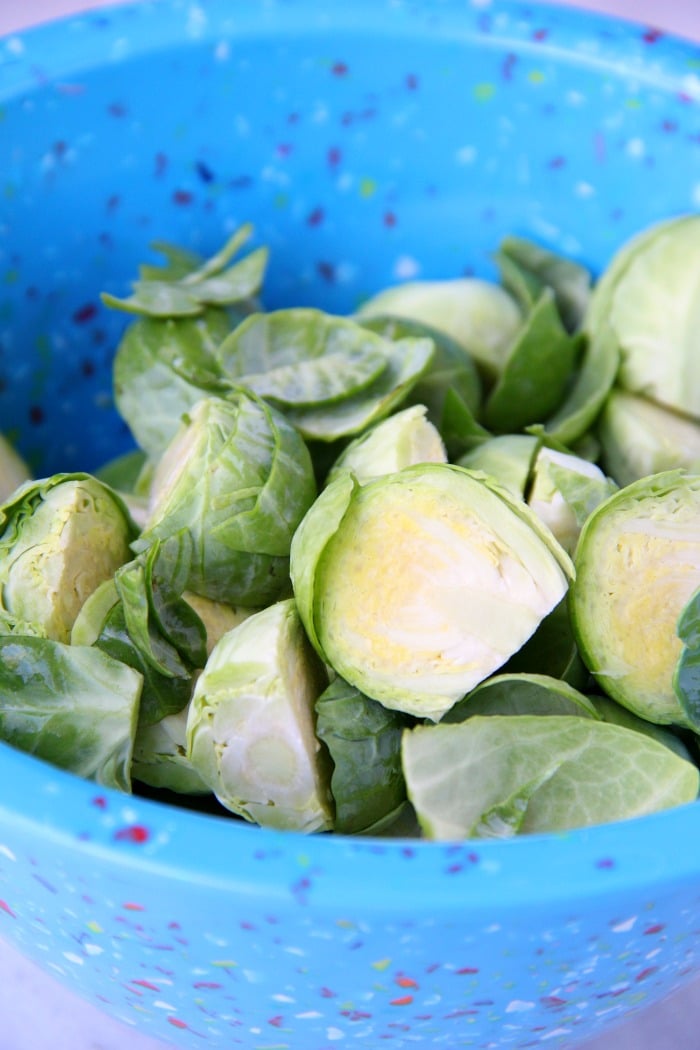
{"x": 146, "y": 984}
{"x": 406, "y": 982}
{"x": 161, "y": 164}
{"x": 85, "y": 313}
{"x": 284, "y": 149}
{"x": 36, "y": 414}
{"x": 176, "y": 1022}
{"x": 315, "y": 218}
{"x": 412, "y": 82}
{"x": 113, "y": 202}
{"x": 4, "y": 906}
{"x": 326, "y": 993}
{"x": 643, "y": 974}
{"x": 182, "y": 197}
{"x": 557, "y": 162}
{"x": 207, "y": 984}
{"x": 652, "y": 35}
{"x": 599, "y": 147}
{"x": 656, "y": 928}
{"x": 467, "y": 970}
{"x": 132, "y": 906}
{"x": 334, "y": 157}
{"x": 540, "y": 34}
{"x": 116, "y": 109}
{"x": 389, "y": 219}
{"x": 552, "y": 1000}
{"x": 403, "y": 1000}
{"x": 133, "y": 833}
{"x": 60, "y": 148}
{"x": 276, "y": 1021}
{"x": 355, "y": 1015}
{"x": 339, "y": 69}
{"x": 100, "y": 802}
{"x": 605, "y": 863}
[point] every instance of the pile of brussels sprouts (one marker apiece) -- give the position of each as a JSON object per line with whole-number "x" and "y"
{"x": 430, "y": 569}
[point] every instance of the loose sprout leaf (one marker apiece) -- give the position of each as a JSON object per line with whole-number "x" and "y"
{"x": 508, "y": 458}
{"x": 452, "y": 370}
{"x": 522, "y": 694}
{"x": 178, "y": 263}
{"x": 403, "y": 439}
{"x": 524, "y": 286}
{"x": 303, "y": 356}
{"x": 160, "y": 757}
{"x": 492, "y": 776}
{"x": 73, "y": 706}
{"x": 534, "y": 378}
{"x": 590, "y": 387}
{"x": 161, "y": 369}
{"x": 132, "y": 586}
{"x": 364, "y": 741}
{"x": 687, "y": 674}
{"x": 538, "y": 266}
{"x": 406, "y": 363}
{"x": 610, "y": 711}
{"x": 460, "y": 429}
{"x": 174, "y": 293}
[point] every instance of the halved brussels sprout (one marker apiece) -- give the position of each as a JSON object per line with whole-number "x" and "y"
{"x": 60, "y": 538}
{"x": 637, "y": 569}
{"x": 402, "y": 440}
{"x": 251, "y": 733}
{"x": 417, "y": 585}
{"x": 639, "y": 437}
{"x": 238, "y": 478}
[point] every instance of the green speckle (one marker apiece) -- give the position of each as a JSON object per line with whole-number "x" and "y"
{"x": 633, "y": 103}
{"x": 484, "y": 92}
{"x": 9, "y": 190}
{"x": 381, "y": 964}
{"x": 536, "y": 76}
{"x": 368, "y": 187}
{"x": 224, "y": 964}
{"x": 11, "y": 276}
{"x": 303, "y": 860}
{"x": 281, "y": 200}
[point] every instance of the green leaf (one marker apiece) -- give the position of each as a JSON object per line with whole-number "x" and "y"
{"x": 526, "y": 264}
{"x": 590, "y": 387}
{"x": 364, "y": 741}
{"x": 534, "y": 379}
{"x": 522, "y": 694}
{"x": 686, "y": 680}
{"x": 72, "y": 706}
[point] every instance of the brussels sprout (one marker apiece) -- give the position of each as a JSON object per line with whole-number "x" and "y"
{"x": 70, "y": 705}
{"x": 639, "y": 438}
{"x": 479, "y": 315}
{"x": 60, "y": 537}
{"x": 560, "y": 487}
{"x": 402, "y": 440}
{"x": 416, "y": 586}
{"x": 649, "y": 302}
{"x": 499, "y": 775}
{"x": 238, "y": 478}
{"x": 251, "y": 724}
{"x": 637, "y": 569}
{"x": 13, "y": 470}
{"x": 160, "y": 757}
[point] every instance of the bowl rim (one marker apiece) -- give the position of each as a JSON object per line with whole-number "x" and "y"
{"x": 79, "y": 815}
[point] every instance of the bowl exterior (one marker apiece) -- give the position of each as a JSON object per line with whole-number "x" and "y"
{"x": 369, "y": 142}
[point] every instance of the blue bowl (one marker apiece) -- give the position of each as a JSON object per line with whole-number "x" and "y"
{"x": 368, "y": 141}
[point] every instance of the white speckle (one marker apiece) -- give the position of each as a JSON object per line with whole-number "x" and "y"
{"x": 162, "y": 1005}
{"x": 274, "y": 176}
{"x": 691, "y": 85}
{"x": 625, "y": 925}
{"x": 466, "y": 155}
{"x": 636, "y": 148}
{"x": 309, "y": 1015}
{"x": 291, "y": 950}
{"x": 695, "y": 195}
{"x": 481, "y": 3}
{"x": 196, "y": 20}
{"x": 494, "y": 928}
{"x": 555, "y": 1032}
{"x": 222, "y": 51}
{"x": 73, "y": 958}
{"x": 120, "y": 48}
{"x": 584, "y": 189}
{"x": 251, "y": 976}
{"x": 241, "y": 126}
{"x": 7, "y": 852}
{"x": 346, "y": 181}
{"x": 334, "y": 1033}
{"x": 320, "y": 113}
{"x": 15, "y": 45}
{"x": 653, "y": 953}
{"x": 280, "y": 998}
{"x": 518, "y": 1006}
{"x": 406, "y": 266}
{"x": 345, "y": 272}
{"x": 93, "y": 949}
{"x": 575, "y": 98}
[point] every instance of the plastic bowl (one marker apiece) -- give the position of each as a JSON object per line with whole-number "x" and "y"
{"x": 368, "y": 142}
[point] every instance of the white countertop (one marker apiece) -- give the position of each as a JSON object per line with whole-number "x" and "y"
{"x": 40, "y": 1014}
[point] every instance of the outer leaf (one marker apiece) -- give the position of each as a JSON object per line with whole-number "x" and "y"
{"x": 73, "y": 706}
{"x": 570, "y": 282}
{"x": 522, "y": 694}
{"x": 686, "y": 679}
{"x": 364, "y": 741}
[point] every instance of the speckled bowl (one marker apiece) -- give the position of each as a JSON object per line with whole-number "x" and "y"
{"x": 368, "y": 141}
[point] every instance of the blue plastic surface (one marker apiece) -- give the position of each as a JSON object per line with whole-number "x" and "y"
{"x": 369, "y": 142}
